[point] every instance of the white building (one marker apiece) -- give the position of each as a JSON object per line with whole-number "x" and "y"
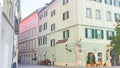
{"x": 92, "y": 21}
{"x": 7, "y": 32}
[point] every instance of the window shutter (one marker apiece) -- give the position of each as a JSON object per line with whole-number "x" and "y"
{"x": 105, "y": 1}
{"x": 63, "y": 34}
{"x": 54, "y": 26}
{"x": 51, "y": 42}
{"x": 96, "y": 33}
{"x": 115, "y": 17}
{"x": 67, "y": 14}
{"x": 67, "y": 33}
{"x": 119, "y": 4}
{"x": 63, "y": 16}
{"x": 114, "y": 2}
{"x": 92, "y": 33}
{"x": 102, "y": 34}
{"x": 63, "y": 2}
{"x": 38, "y": 41}
{"x": 43, "y": 40}
{"x": 100, "y": 0}
{"x": 113, "y": 34}
{"x": 54, "y": 42}
{"x": 86, "y": 32}
{"x": 107, "y": 35}
{"x": 110, "y": 2}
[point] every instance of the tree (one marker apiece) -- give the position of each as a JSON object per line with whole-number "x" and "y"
{"x": 116, "y": 40}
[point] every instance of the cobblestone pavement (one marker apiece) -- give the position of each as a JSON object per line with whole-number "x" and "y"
{"x": 42, "y": 66}
{"x": 33, "y": 66}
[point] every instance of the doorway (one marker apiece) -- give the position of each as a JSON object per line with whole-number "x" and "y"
{"x": 91, "y": 59}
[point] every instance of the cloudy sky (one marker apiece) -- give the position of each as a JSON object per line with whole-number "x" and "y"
{"x": 29, "y": 6}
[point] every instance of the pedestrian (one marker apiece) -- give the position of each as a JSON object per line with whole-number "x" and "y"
{"x": 14, "y": 65}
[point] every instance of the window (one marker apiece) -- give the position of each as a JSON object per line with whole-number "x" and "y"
{"x": 52, "y": 13}
{"x": 117, "y": 3}
{"x": 66, "y": 15}
{"x": 108, "y": 2}
{"x": 66, "y": 34}
{"x": 98, "y": 0}
{"x": 100, "y": 58}
{"x": 99, "y": 34}
{"x": 53, "y": 42}
{"x": 45, "y": 14}
{"x": 44, "y": 40}
{"x": 40, "y": 17}
{"x": 65, "y": 2}
{"x": 109, "y": 17}
{"x": 53, "y": 27}
{"x": 40, "y": 41}
{"x": 45, "y": 26}
{"x": 88, "y": 12}
{"x": 89, "y": 33}
{"x": 110, "y": 34}
{"x": 117, "y": 17}
{"x": 40, "y": 28}
{"x": 97, "y": 14}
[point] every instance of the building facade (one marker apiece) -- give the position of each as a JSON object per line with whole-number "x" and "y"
{"x": 7, "y": 32}
{"x": 76, "y": 32}
{"x": 27, "y": 43}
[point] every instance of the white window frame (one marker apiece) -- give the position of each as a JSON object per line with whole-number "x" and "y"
{"x": 109, "y": 16}
{"x": 98, "y": 14}
{"x": 88, "y": 12}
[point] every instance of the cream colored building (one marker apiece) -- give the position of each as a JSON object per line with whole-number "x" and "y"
{"x": 86, "y": 24}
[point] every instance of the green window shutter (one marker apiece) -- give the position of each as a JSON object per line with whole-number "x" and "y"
{"x": 63, "y": 34}
{"x": 54, "y": 27}
{"x": 110, "y": 2}
{"x": 114, "y": 2}
{"x": 119, "y": 4}
{"x": 54, "y": 42}
{"x": 86, "y": 32}
{"x": 51, "y": 42}
{"x": 107, "y": 35}
{"x": 67, "y": 14}
{"x": 115, "y": 17}
{"x": 67, "y": 33}
{"x": 113, "y": 34}
{"x": 96, "y": 33}
{"x": 92, "y": 33}
{"x": 43, "y": 40}
{"x": 39, "y": 41}
{"x": 105, "y": 1}
{"x": 63, "y": 16}
{"x": 102, "y": 34}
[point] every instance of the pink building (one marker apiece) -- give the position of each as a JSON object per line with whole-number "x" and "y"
{"x": 28, "y": 32}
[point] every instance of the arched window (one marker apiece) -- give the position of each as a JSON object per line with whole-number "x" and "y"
{"x": 100, "y": 58}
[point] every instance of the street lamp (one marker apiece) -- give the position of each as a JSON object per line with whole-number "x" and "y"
{"x": 67, "y": 48}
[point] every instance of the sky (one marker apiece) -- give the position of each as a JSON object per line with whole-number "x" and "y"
{"x": 29, "y": 6}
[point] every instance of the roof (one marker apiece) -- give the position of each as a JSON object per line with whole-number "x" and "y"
{"x": 46, "y": 5}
